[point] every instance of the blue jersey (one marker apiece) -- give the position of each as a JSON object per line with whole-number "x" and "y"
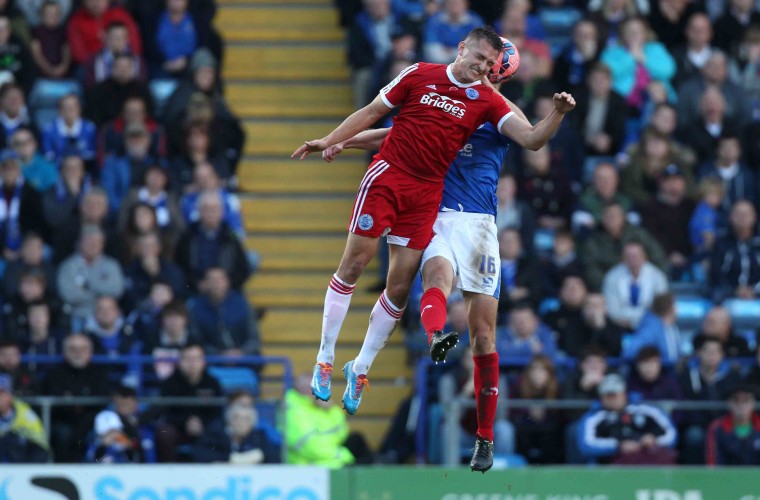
{"x": 470, "y": 184}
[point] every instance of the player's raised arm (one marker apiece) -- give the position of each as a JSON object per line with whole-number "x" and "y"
{"x": 358, "y": 121}
{"x": 369, "y": 140}
{"x": 536, "y": 136}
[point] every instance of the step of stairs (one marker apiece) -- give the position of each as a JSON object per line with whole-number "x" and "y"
{"x": 297, "y": 62}
{"x": 288, "y": 214}
{"x": 295, "y": 100}
{"x": 305, "y": 253}
{"x": 225, "y": 4}
{"x": 281, "y": 138}
{"x": 276, "y": 176}
{"x": 314, "y": 23}
{"x": 302, "y": 326}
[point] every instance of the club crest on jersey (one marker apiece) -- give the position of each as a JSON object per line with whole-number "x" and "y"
{"x": 452, "y": 106}
{"x": 472, "y": 93}
{"x": 366, "y": 222}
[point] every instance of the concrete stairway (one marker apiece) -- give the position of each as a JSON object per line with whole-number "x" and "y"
{"x": 286, "y": 76}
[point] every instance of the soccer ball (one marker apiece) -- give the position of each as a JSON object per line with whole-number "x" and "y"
{"x": 506, "y": 65}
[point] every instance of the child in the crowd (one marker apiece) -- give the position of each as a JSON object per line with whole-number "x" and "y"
{"x": 111, "y": 446}
{"x": 50, "y": 49}
{"x": 704, "y": 222}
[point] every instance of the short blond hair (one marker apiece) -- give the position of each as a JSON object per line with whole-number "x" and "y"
{"x": 711, "y": 185}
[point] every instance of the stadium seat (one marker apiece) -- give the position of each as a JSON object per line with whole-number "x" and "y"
{"x": 44, "y": 97}
{"x": 233, "y": 378}
{"x": 744, "y": 313}
{"x": 548, "y": 305}
{"x": 690, "y": 311}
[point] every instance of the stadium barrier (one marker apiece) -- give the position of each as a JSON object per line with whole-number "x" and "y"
{"x": 275, "y": 482}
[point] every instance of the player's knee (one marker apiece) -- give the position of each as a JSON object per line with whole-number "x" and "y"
{"x": 350, "y": 271}
{"x": 483, "y": 339}
{"x": 398, "y": 293}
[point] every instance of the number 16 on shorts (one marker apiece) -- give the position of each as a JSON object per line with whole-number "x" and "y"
{"x": 487, "y": 265}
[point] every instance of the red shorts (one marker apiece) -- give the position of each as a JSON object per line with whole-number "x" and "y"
{"x": 391, "y": 202}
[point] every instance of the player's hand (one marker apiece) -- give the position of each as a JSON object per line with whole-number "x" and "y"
{"x": 330, "y": 153}
{"x": 309, "y": 147}
{"x": 564, "y": 102}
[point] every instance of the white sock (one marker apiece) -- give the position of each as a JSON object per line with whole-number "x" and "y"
{"x": 382, "y": 321}
{"x": 337, "y": 300}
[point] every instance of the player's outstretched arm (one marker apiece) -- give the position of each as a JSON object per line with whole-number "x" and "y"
{"x": 355, "y": 123}
{"x": 536, "y": 136}
{"x": 369, "y": 140}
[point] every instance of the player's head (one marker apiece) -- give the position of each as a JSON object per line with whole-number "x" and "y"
{"x": 477, "y": 54}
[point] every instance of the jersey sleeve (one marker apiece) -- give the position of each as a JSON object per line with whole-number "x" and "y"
{"x": 499, "y": 111}
{"x": 396, "y": 91}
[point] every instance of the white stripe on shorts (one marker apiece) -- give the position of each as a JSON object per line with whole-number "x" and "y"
{"x": 372, "y": 173}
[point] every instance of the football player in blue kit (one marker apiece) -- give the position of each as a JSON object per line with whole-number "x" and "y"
{"x": 465, "y": 247}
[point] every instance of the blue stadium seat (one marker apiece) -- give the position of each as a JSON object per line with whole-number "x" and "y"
{"x": 161, "y": 90}
{"x": 548, "y": 305}
{"x": 744, "y": 313}
{"x": 235, "y": 378}
{"x": 44, "y": 97}
{"x": 690, "y": 311}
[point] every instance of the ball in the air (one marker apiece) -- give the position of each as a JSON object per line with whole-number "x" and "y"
{"x": 507, "y": 63}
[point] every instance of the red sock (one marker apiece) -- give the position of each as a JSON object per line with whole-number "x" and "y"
{"x": 486, "y": 392}
{"x": 433, "y": 311}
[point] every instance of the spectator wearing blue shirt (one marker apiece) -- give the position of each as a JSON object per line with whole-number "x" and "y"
{"x": 224, "y": 319}
{"x": 69, "y": 132}
{"x": 703, "y": 226}
{"x": 526, "y": 336}
{"x": 657, "y": 328}
{"x": 37, "y": 171}
{"x": 205, "y": 178}
{"x": 176, "y": 37}
{"x": 444, "y": 30}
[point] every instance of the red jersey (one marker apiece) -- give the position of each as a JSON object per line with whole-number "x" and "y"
{"x": 438, "y": 114}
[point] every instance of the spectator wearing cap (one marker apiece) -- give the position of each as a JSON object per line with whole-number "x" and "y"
{"x": 599, "y": 111}
{"x": 69, "y": 133}
{"x": 22, "y": 380}
{"x": 567, "y": 320}
{"x": 22, "y": 437}
{"x": 734, "y": 439}
{"x": 739, "y": 181}
{"x": 105, "y": 100}
{"x": 49, "y": 46}
{"x": 123, "y": 172}
{"x": 648, "y": 378}
{"x": 111, "y": 444}
{"x": 717, "y": 324}
{"x": 630, "y": 287}
{"x": 87, "y": 28}
{"x": 203, "y": 78}
{"x": 714, "y": 73}
{"x": 38, "y": 172}
{"x": 211, "y": 243}
{"x": 657, "y": 328}
{"x": 225, "y": 321}
{"x": 602, "y": 249}
{"x": 526, "y": 336}
{"x": 89, "y": 274}
{"x": 622, "y": 431}
{"x": 444, "y": 30}
{"x": 369, "y": 44}
{"x": 604, "y": 190}
{"x": 135, "y": 422}
{"x": 735, "y": 260}
{"x": 709, "y": 379}
{"x": 100, "y": 66}
{"x": 76, "y": 376}
{"x": 667, "y": 218}
{"x": 176, "y": 37}
{"x": 692, "y": 56}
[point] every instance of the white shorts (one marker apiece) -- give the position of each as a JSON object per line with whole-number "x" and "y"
{"x": 470, "y": 243}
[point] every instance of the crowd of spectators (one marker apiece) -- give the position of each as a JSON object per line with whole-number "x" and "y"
{"x": 629, "y": 244}
{"x": 120, "y": 231}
